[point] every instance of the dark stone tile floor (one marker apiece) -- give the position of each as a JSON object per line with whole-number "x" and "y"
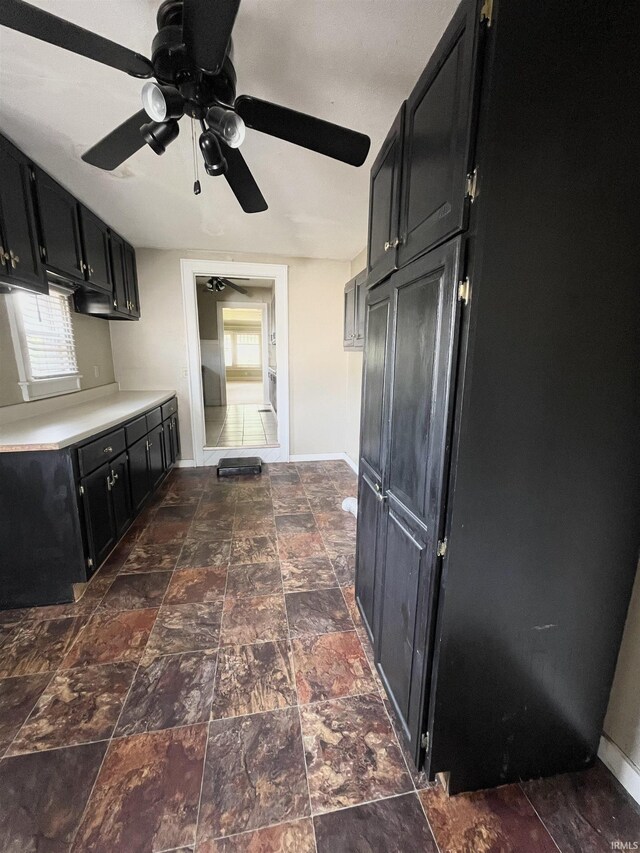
{"x": 213, "y": 692}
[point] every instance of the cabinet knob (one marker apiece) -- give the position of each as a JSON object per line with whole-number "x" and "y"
{"x": 15, "y": 260}
{"x": 90, "y": 270}
{"x": 108, "y": 449}
{"x": 3, "y": 256}
{"x": 393, "y": 244}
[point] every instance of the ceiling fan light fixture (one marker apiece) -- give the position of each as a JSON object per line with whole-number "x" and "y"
{"x": 214, "y": 161}
{"x": 159, "y": 134}
{"x": 227, "y": 124}
{"x": 161, "y": 102}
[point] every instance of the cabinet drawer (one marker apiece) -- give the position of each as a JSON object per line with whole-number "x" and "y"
{"x": 169, "y": 408}
{"x": 100, "y": 451}
{"x": 154, "y": 418}
{"x": 136, "y": 429}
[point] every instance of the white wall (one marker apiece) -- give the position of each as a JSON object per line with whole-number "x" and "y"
{"x": 152, "y": 354}
{"x": 354, "y": 382}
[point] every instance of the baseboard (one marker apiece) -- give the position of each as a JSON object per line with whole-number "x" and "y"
{"x": 185, "y": 463}
{"x": 621, "y": 766}
{"x": 324, "y": 457}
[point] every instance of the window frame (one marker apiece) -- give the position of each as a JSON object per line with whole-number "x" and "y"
{"x": 51, "y": 386}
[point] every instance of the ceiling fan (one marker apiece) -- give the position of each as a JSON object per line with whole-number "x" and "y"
{"x": 215, "y": 284}
{"x": 191, "y": 60}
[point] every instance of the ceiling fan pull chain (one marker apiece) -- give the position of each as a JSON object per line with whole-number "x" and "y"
{"x": 197, "y": 189}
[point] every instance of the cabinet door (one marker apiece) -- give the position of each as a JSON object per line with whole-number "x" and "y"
{"x": 120, "y": 301}
{"x": 175, "y": 438}
{"x": 349, "y": 319}
{"x": 384, "y": 204}
{"x": 155, "y": 447}
{"x": 139, "y": 473}
{"x": 423, "y": 358}
{"x": 131, "y": 280}
{"x": 20, "y": 258}
{"x": 95, "y": 243}
{"x": 360, "y": 309}
{"x": 438, "y": 132}
{"x": 58, "y": 211}
{"x": 98, "y": 514}
{"x": 121, "y": 494}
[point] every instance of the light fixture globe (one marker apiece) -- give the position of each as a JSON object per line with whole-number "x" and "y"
{"x": 159, "y": 134}
{"x": 214, "y": 161}
{"x": 227, "y": 124}
{"x": 161, "y": 102}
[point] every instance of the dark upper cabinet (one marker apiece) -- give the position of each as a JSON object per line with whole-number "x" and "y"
{"x": 360, "y": 309}
{"x": 354, "y": 311}
{"x": 131, "y": 281}
{"x": 384, "y": 204}
{"x": 20, "y": 256}
{"x": 438, "y": 140}
{"x": 120, "y": 301}
{"x": 98, "y": 514}
{"x": 60, "y": 228}
{"x": 95, "y": 244}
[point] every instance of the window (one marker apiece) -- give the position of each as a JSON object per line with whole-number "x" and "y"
{"x": 242, "y": 349}
{"x": 43, "y": 340}
{"x": 228, "y": 350}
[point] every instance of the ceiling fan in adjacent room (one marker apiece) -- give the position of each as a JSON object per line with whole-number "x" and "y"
{"x": 215, "y": 284}
{"x": 191, "y": 60}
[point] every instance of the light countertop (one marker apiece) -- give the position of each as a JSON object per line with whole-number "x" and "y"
{"x": 64, "y": 427}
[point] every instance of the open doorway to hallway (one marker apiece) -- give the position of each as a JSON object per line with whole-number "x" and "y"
{"x": 238, "y": 353}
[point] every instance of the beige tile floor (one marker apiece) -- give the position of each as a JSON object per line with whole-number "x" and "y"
{"x": 240, "y": 426}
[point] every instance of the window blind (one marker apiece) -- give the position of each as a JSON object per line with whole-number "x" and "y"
{"x": 49, "y": 344}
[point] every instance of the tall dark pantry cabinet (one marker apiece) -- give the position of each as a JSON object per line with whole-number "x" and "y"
{"x": 499, "y": 485}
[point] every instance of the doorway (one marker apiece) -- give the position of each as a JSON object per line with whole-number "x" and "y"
{"x": 238, "y": 367}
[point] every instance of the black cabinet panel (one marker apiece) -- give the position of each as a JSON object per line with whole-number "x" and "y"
{"x": 60, "y": 228}
{"x": 139, "y": 473}
{"x": 98, "y": 514}
{"x": 438, "y": 139}
{"x": 20, "y": 258}
{"x": 120, "y": 494}
{"x": 95, "y": 242}
{"x": 369, "y": 506}
{"x": 131, "y": 281}
{"x": 156, "y": 455}
{"x": 374, "y": 379}
{"x": 349, "y": 318}
{"x": 384, "y": 204}
{"x": 120, "y": 302}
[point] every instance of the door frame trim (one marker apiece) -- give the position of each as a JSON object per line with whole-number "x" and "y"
{"x": 279, "y": 274}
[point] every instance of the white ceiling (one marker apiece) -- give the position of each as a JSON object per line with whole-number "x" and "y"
{"x": 351, "y": 62}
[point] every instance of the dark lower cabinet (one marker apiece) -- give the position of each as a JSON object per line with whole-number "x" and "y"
{"x": 171, "y": 440}
{"x": 121, "y": 494}
{"x": 156, "y": 453}
{"x": 99, "y": 521}
{"x": 139, "y": 473}
{"x": 499, "y": 475}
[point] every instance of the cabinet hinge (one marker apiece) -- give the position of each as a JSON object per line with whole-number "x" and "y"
{"x": 424, "y": 741}
{"x": 442, "y": 548}
{"x": 81, "y": 490}
{"x": 486, "y": 12}
{"x": 43, "y": 253}
{"x": 464, "y": 291}
{"x": 472, "y": 184}
{"x": 90, "y": 563}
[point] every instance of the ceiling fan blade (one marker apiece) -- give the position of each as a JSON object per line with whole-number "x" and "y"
{"x": 237, "y": 287}
{"x": 326, "y": 138}
{"x": 242, "y": 182}
{"x": 42, "y": 25}
{"x": 206, "y": 30}
{"x": 119, "y": 145}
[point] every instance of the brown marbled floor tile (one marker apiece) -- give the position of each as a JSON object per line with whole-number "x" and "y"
{"x": 487, "y": 821}
{"x": 175, "y": 512}
{"x": 43, "y": 796}
{"x": 184, "y": 628}
{"x": 419, "y": 777}
{"x": 256, "y": 526}
{"x": 320, "y": 611}
{"x": 301, "y": 545}
{"x": 349, "y": 594}
{"x": 319, "y": 486}
{"x": 307, "y": 573}
{"x": 198, "y": 554}
{"x": 585, "y": 812}
{"x": 329, "y": 666}
{"x": 352, "y": 754}
{"x": 344, "y": 566}
{"x": 340, "y": 520}
{"x": 37, "y": 646}
{"x": 214, "y": 513}
{"x": 164, "y": 533}
{"x": 324, "y": 503}
{"x": 285, "y": 504}
{"x": 293, "y": 837}
{"x": 197, "y": 586}
{"x": 78, "y": 706}
{"x": 17, "y": 698}
{"x": 254, "y": 549}
{"x": 248, "y": 620}
{"x": 253, "y": 496}
{"x": 109, "y": 637}
{"x": 152, "y": 558}
{"x": 254, "y": 774}
{"x": 174, "y": 690}
{"x": 254, "y": 579}
{"x": 293, "y": 524}
{"x": 136, "y": 591}
{"x": 146, "y": 795}
{"x": 181, "y": 496}
{"x": 204, "y": 530}
{"x": 395, "y": 825}
{"x": 253, "y": 678}
{"x": 338, "y": 543}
